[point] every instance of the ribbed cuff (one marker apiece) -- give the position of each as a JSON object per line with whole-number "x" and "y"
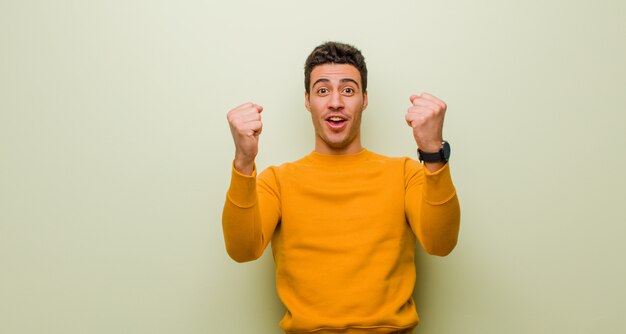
{"x": 439, "y": 187}
{"x": 242, "y": 191}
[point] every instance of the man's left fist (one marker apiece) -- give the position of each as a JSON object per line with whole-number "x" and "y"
{"x": 426, "y": 118}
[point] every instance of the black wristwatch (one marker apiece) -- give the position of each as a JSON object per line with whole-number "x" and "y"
{"x": 442, "y": 156}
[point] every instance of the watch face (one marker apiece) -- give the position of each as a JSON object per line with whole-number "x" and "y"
{"x": 446, "y": 150}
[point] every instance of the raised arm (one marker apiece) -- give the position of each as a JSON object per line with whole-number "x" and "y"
{"x": 252, "y": 207}
{"x": 431, "y": 204}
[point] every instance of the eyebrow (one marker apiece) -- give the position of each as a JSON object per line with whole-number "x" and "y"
{"x": 341, "y": 80}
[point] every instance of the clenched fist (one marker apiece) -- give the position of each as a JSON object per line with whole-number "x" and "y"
{"x": 245, "y": 126}
{"x": 426, "y": 116}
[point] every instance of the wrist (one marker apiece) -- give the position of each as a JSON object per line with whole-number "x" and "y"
{"x": 430, "y": 146}
{"x": 243, "y": 165}
{"x": 434, "y": 166}
{"x": 439, "y": 155}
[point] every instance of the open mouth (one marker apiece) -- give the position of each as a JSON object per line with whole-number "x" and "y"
{"x": 336, "y": 122}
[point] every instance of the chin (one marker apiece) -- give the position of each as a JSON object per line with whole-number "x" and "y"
{"x": 339, "y": 144}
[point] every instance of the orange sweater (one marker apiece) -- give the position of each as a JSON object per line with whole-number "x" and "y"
{"x": 343, "y": 231}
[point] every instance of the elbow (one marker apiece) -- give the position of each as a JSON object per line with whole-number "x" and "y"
{"x": 441, "y": 246}
{"x": 242, "y": 255}
{"x": 241, "y": 246}
{"x": 442, "y": 239}
{"x": 440, "y": 250}
{"x": 242, "y": 258}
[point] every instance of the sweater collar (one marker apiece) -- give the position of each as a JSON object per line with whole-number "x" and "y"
{"x": 335, "y": 159}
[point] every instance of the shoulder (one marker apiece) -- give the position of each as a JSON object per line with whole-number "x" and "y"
{"x": 406, "y": 162}
{"x": 276, "y": 171}
{"x": 411, "y": 170}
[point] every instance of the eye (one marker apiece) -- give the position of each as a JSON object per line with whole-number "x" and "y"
{"x": 348, "y": 91}
{"x": 322, "y": 91}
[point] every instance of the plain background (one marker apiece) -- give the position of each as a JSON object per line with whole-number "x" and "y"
{"x": 115, "y": 156}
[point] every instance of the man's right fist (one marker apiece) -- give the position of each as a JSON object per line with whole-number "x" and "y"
{"x": 245, "y": 126}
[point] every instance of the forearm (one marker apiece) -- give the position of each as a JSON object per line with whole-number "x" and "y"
{"x": 439, "y": 215}
{"x": 250, "y": 214}
{"x": 440, "y": 226}
{"x": 242, "y": 228}
{"x": 243, "y": 164}
{"x": 241, "y": 218}
{"x": 434, "y": 166}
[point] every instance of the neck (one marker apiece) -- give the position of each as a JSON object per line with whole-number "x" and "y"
{"x": 351, "y": 148}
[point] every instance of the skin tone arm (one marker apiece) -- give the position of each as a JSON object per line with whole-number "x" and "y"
{"x": 245, "y": 126}
{"x": 425, "y": 117}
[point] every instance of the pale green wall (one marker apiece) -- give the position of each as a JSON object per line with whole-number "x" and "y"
{"x": 115, "y": 156}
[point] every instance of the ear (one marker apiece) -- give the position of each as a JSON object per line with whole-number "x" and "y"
{"x": 307, "y": 104}
{"x": 364, "y": 100}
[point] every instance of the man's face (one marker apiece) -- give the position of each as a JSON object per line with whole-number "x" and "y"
{"x": 336, "y": 101}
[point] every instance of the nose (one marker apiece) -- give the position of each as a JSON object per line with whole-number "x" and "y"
{"x": 336, "y": 101}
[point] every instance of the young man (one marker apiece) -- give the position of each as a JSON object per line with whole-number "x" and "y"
{"x": 343, "y": 221}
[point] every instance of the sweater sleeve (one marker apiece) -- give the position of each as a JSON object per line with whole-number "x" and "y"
{"x": 251, "y": 213}
{"x": 432, "y": 207}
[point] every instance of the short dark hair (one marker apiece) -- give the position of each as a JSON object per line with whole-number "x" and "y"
{"x": 335, "y": 53}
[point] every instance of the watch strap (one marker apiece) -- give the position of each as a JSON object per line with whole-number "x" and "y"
{"x": 441, "y": 156}
{"x": 430, "y": 157}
